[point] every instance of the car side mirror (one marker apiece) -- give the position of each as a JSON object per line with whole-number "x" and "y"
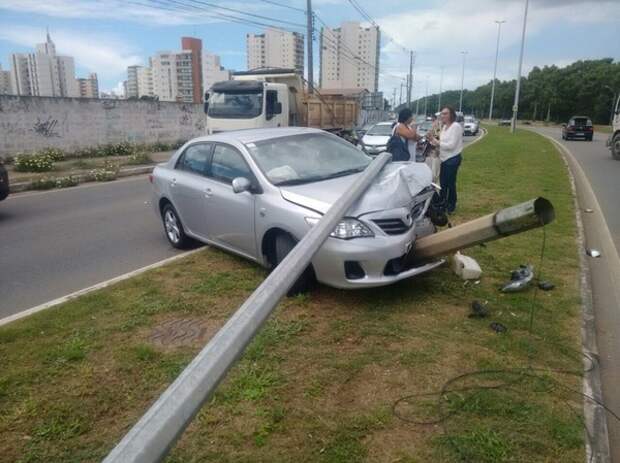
{"x": 241, "y": 184}
{"x": 206, "y": 105}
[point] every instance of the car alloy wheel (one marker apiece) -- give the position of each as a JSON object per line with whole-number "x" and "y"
{"x": 172, "y": 226}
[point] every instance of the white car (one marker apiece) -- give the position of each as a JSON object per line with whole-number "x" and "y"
{"x": 471, "y": 126}
{"x": 376, "y": 139}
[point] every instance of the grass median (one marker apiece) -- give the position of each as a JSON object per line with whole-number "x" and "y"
{"x": 375, "y": 375}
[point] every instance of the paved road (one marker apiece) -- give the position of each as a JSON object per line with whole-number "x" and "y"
{"x": 602, "y": 171}
{"x": 57, "y": 242}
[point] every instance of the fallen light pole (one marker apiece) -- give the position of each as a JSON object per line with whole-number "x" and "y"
{"x": 153, "y": 436}
{"x": 505, "y": 222}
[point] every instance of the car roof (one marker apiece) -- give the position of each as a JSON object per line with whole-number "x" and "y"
{"x": 254, "y": 135}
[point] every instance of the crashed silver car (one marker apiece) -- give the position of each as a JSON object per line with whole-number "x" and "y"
{"x": 257, "y": 192}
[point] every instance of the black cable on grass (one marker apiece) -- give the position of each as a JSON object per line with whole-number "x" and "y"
{"x": 509, "y": 378}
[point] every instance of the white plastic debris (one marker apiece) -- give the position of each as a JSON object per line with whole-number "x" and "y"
{"x": 466, "y": 267}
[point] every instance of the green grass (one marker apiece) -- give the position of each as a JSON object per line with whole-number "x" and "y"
{"x": 319, "y": 381}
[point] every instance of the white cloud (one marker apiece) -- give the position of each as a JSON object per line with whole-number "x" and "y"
{"x": 106, "y": 55}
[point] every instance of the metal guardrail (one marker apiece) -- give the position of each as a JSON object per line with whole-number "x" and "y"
{"x": 155, "y": 433}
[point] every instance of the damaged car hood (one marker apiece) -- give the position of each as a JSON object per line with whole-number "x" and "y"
{"x": 395, "y": 186}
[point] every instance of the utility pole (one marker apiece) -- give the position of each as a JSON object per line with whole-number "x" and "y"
{"x": 400, "y": 100}
{"x": 515, "y": 106}
{"x": 410, "y": 81}
{"x": 464, "y": 53}
{"x": 426, "y": 98}
{"x": 499, "y": 28}
{"x": 440, "y": 90}
{"x": 309, "y": 39}
{"x": 417, "y": 106}
{"x": 394, "y": 99}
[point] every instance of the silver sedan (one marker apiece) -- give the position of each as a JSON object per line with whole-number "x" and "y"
{"x": 257, "y": 192}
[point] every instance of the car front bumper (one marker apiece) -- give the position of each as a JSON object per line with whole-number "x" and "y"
{"x": 373, "y": 255}
{"x": 374, "y": 150}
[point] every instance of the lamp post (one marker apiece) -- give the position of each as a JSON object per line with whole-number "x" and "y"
{"x": 499, "y": 28}
{"x": 426, "y": 99}
{"x": 440, "y": 90}
{"x": 464, "y": 53}
{"x": 515, "y": 106}
{"x": 613, "y": 102}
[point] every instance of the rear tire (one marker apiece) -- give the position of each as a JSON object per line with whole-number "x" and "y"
{"x": 615, "y": 147}
{"x": 173, "y": 228}
{"x": 284, "y": 243}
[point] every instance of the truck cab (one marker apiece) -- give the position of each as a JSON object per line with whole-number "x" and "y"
{"x": 247, "y": 104}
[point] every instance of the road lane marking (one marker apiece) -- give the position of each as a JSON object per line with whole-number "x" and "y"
{"x": 90, "y": 289}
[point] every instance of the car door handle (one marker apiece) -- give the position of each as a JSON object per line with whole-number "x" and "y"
{"x": 208, "y": 192}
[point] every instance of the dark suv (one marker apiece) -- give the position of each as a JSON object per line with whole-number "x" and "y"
{"x": 4, "y": 182}
{"x": 578, "y": 127}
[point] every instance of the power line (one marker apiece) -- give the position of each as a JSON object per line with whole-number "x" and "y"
{"x": 367, "y": 17}
{"x": 284, "y": 6}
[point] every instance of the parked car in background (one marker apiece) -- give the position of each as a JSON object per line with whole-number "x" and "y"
{"x": 504, "y": 122}
{"x": 471, "y": 125}
{"x": 257, "y": 192}
{"x": 614, "y": 139}
{"x": 4, "y": 182}
{"x": 361, "y": 131}
{"x": 578, "y": 127}
{"x": 377, "y": 137}
{"x": 424, "y": 127}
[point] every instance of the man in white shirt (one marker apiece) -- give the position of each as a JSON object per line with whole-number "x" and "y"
{"x": 450, "y": 145}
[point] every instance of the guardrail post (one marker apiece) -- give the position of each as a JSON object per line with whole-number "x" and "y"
{"x": 155, "y": 433}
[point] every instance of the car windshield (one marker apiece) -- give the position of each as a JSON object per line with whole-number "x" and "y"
{"x": 235, "y": 105}
{"x": 581, "y": 121}
{"x": 469, "y": 119}
{"x": 307, "y": 158}
{"x": 381, "y": 129}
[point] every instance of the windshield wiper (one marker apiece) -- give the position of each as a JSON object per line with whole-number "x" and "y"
{"x": 344, "y": 173}
{"x": 318, "y": 178}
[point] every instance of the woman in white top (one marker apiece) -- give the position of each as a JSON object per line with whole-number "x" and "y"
{"x": 450, "y": 145}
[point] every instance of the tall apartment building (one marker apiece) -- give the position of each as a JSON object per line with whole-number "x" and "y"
{"x": 139, "y": 82}
{"x": 195, "y": 47}
{"x": 172, "y": 76}
{"x": 350, "y": 57}
{"x": 44, "y": 73}
{"x": 275, "y": 48}
{"x": 5, "y": 82}
{"x": 89, "y": 86}
{"x": 212, "y": 70}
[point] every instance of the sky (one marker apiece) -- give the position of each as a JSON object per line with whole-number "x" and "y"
{"x": 106, "y": 36}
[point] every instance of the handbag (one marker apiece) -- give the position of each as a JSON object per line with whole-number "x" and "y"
{"x": 397, "y": 147}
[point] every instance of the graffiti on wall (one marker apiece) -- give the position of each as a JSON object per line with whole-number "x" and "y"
{"x": 46, "y": 128}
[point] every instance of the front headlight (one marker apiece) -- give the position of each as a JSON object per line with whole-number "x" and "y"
{"x": 346, "y": 229}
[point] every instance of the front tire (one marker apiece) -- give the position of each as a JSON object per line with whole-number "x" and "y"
{"x": 173, "y": 228}
{"x": 284, "y": 244}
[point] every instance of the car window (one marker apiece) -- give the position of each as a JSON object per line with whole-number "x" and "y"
{"x": 228, "y": 164}
{"x": 381, "y": 130}
{"x": 195, "y": 158}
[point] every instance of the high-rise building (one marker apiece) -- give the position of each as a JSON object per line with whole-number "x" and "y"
{"x": 275, "y": 48}
{"x": 350, "y": 57}
{"x": 5, "y": 82}
{"x": 194, "y": 46}
{"x": 212, "y": 70}
{"x": 139, "y": 81}
{"x": 89, "y": 86}
{"x": 172, "y": 76}
{"x": 43, "y": 73}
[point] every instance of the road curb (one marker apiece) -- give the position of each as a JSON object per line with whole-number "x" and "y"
{"x": 90, "y": 289}
{"x": 85, "y": 178}
{"x": 597, "y": 442}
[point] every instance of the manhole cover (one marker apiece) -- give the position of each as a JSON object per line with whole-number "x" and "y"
{"x": 178, "y": 332}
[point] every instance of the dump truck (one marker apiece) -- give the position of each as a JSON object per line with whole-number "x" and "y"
{"x": 276, "y": 98}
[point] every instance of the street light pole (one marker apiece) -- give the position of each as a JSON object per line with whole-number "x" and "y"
{"x": 499, "y": 29}
{"x": 309, "y": 37}
{"x": 426, "y": 99}
{"x": 410, "y": 81}
{"x": 440, "y": 90}
{"x": 515, "y": 106}
{"x": 464, "y": 53}
{"x": 613, "y": 103}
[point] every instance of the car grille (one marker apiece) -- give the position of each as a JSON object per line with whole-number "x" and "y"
{"x": 392, "y": 226}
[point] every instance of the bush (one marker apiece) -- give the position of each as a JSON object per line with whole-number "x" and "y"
{"x": 33, "y": 163}
{"x": 109, "y": 171}
{"x": 55, "y": 153}
{"x": 139, "y": 158}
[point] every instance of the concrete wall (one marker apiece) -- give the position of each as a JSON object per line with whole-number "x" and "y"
{"x": 30, "y": 123}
